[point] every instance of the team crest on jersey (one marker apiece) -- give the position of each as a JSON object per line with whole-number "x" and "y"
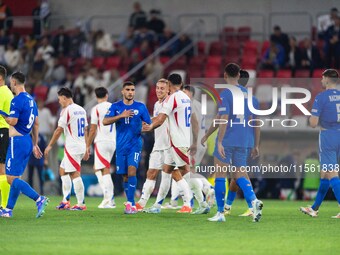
{"x": 135, "y": 112}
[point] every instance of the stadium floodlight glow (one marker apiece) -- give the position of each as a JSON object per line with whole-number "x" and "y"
{"x": 287, "y": 98}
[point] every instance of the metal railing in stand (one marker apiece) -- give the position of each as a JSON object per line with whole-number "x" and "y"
{"x": 155, "y": 54}
{"x": 253, "y": 16}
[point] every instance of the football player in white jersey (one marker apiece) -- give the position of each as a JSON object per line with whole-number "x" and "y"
{"x": 73, "y": 123}
{"x": 177, "y": 111}
{"x": 162, "y": 143}
{"x": 104, "y": 146}
{"x": 198, "y": 127}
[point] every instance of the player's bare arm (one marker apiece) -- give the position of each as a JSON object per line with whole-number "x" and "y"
{"x": 313, "y": 121}
{"x": 256, "y": 150}
{"x": 111, "y": 120}
{"x": 35, "y": 136}
{"x": 57, "y": 133}
{"x": 156, "y": 122}
{"x": 195, "y": 131}
{"x": 92, "y": 135}
{"x": 221, "y": 133}
{"x": 11, "y": 121}
{"x": 211, "y": 130}
{"x": 87, "y": 152}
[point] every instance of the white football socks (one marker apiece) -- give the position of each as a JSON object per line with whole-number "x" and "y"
{"x": 79, "y": 190}
{"x": 148, "y": 187}
{"x": 66, "y": 184}
{"x": 163, "y": 188}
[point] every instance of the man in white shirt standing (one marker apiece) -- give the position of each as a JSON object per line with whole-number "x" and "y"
{"x": 73, "y": 123}
{"x": 104, "y": 146}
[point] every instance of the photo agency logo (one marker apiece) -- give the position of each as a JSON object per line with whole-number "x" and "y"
{"x": 277, "y": 114}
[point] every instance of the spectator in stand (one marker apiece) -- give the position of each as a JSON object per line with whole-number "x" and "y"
{"x": 41, "y": 15}
{"x": 58, "y": 74}
{"x": 69, "y": 82}
{"x": 30, "y": 43}
{"x": 274, "y": 57}
{"x": 25, "y": 61}
{"x": 126, "y": 42}
{"x": 153, "y": 71}
{"x": 46, "y": 120}
{"x": 294, "y": 55}
{"x": 163, "y": 39}
{"x": 137, "y": 76}
{"x": 184, "y": 42}
{"x": 61, "y": 43}
{"x": 76, "y": 40}
{"x": 310, "y": 55}
{"x": 4, "y": 40}
{"x": 45, "y": 13}
{"x": 47, "y": 53}
{"x": 5, "y": 13}
{"x": 103, "y": 44}
{"x": 39, "y": 67}
{"x": 281, "y": 38}
{"x": 12, "y": 57}
{"x": 332, "y": 47}
{"x": 144, "y": 34}
{"x": 36, "y": 20}
{"x": 325, "y": 21}
{"x": 138, "y": 18}
{"x": 155, "y": 23}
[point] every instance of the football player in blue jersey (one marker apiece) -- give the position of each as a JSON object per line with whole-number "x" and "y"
{"x": 128, "y": 116}
{"x": 231, "y": 146}
{"x": 326, "y": 113}
{"x": 23, "y": 118}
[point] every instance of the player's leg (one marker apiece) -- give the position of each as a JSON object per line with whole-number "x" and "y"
{"x": 239, "y": 159}
{"x": 102, "y": 157}
{"x": 66, "y": 186}
{"x": 155, "y": 165}
{"x": 121, "y": 168}
{"x": 327, "y": 156}
{"x": 173, "y": 204}
{"x": 4, "y": 185}
{"x": 183, "y": 187}
{"x": 72, "y": 168}
{"x": 220, "y": 188}
{"x": 17, "y": 158}
{"x": 232, "y": 192}
{"x": 133, "y": 160}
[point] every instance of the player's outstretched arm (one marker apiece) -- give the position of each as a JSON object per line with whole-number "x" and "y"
{"x": 35, "y": 136}
{"x": 221, "y": 133}
{"x": 213, "y": 127}
{"x": 11, "y": 120}
{"x": 313, "y": 121}
{"x": 57, "y": 133}
{"x": 256, "y": 150}
{"x": 156, "y": 122}
{"x": 110, "y": 120}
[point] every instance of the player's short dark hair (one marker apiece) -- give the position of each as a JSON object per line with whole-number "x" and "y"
{"x": 175, "y": 79}
{"x": 66, "y": 92}
{"x": 128, "y": 83}
{"x": 3, "y": 72}
{"x": 244, "y": 77}
{"x": 334, "y": 9}
{"x": 332, "y": 74}
{"x": 19, "y": 76}
{"x": 190, "y": 88}
{"x": 232, "y": 70}
{"x": 277, "y": 28}
{"x": 101, "y": 92}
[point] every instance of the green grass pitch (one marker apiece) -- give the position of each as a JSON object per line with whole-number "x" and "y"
{"x": 282, "y": 230}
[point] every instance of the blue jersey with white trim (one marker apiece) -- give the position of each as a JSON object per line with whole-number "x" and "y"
{"x": 24, "y": 108}
{"x": 327, "y": 107}
{"x": 128, "y": 130}
{"x": 237, "y": 131}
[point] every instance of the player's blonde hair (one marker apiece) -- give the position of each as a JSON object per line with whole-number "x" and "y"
{"x": 162, "y": 80}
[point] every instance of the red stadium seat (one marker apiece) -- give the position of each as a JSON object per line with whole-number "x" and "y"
{"x": 112, "y": 62}
{"x": 251, "y": 46}
{"x": 201, "y": 47}
{"x": 197, "y": 62}
{"x": 164, "y": 59}
{"x": 302, "y": 74}
{"x": 216, "y": 48}
{"x": 194, "y": 73}
{"x": 40, "y": 92}
{"x": 212, "y": 73}
{"x": 243, "y": 34}
{"x": 214, "y": 62}
{"x": 228, "y": 34}
{"x": 317, "y": 73}
{"x": 232, "y": 59}
{"x": 98, "y": 62}
{"x": 265, "y": 46}
{"x": 265, "y": 74}
{"x": 284, "y": 74}
{"x": 249, "y": 62}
